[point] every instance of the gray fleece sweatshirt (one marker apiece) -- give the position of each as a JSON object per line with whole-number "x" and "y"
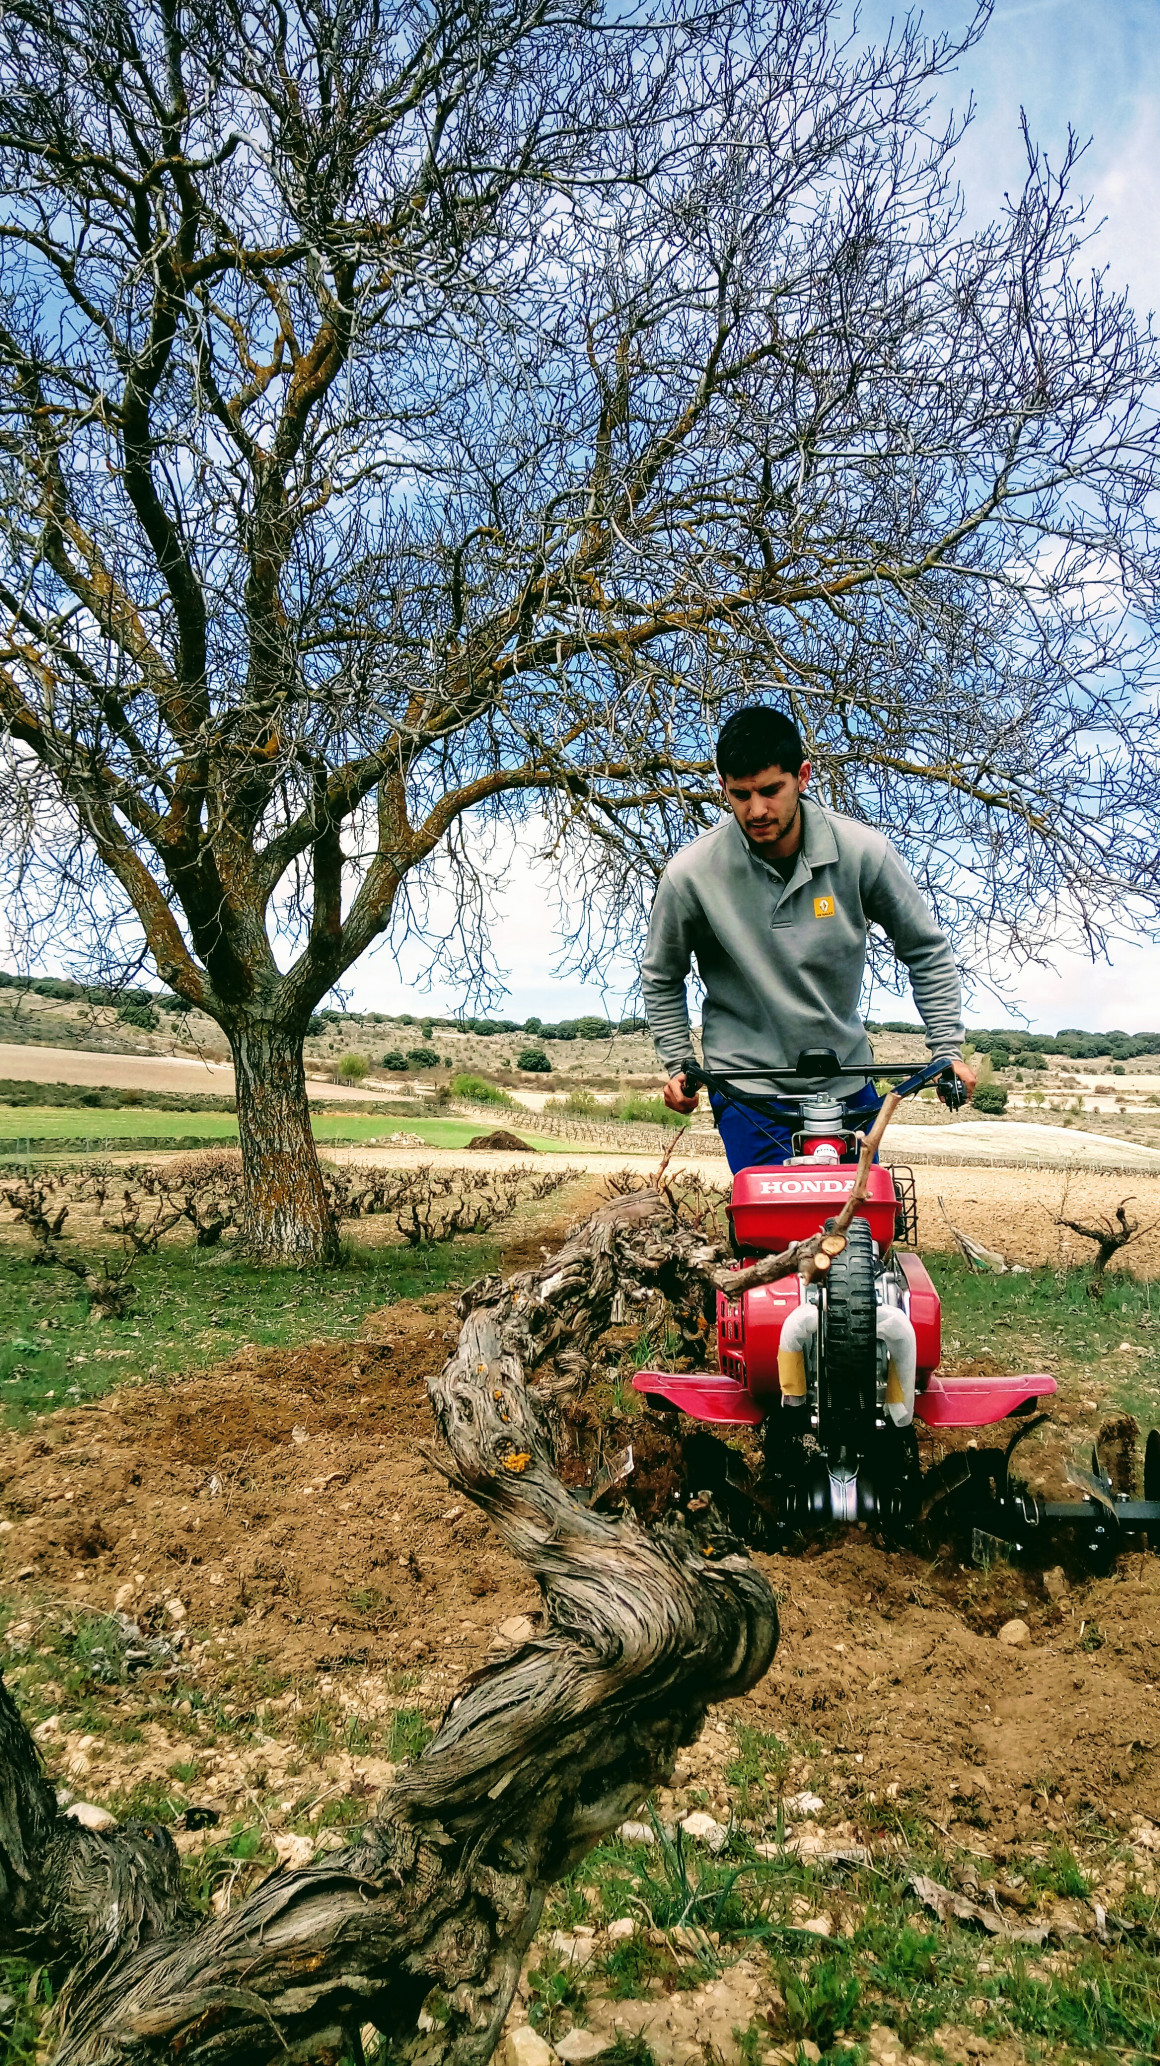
{"x": 782, "y": 963}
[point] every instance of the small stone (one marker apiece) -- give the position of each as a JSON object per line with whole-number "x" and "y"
{"x": 123, "y": 1596}
{"x": 807, "y": 2049}
{"x": 818, "y": 1926}
{"x": 7, "y": 2011}
{"x": 517, "y": 1629}
{"x": 91, "y": 1817}
{"x": 803, "y": 1804}
{"x": 574, "y": 1951}
{"x": 6, "y": 1528}
{"x": 1014, "y": 1633}
{"x": 299, "y": 1435}
{"x": 580, "y": 2046}
{"x": 175, "y": 1610}
{"x": 293, "y": 1851}
{"x": 525, "y": 2047}
{"x": 705, "y": 1829}
{"x": 623, "y": 1928}
{"x": 636, "y": 1833}
{"x": 1055, "y": 1584}
{"x": 50, "y": 1726}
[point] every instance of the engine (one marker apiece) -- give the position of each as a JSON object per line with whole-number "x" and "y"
{"x": 771, "y": 1209}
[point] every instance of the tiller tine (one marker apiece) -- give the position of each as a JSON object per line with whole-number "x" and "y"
{"x": 1006, "y": 1518}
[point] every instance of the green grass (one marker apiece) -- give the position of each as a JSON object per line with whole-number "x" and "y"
{"x": 1096, "y": 2003}
{"x": 1046, "y": 1321}
{"x": 193, "y": 1309}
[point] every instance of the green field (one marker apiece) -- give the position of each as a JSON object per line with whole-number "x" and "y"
{"x": 53, "y": 1129}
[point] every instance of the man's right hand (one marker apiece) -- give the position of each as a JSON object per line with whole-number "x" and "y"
{"x": 677, "y": 1097}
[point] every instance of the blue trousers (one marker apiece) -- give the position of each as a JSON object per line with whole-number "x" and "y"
{"x": 750, "y": 1136}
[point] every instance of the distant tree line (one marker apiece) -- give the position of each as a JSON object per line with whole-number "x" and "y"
{"x": 1007, "y": 1044}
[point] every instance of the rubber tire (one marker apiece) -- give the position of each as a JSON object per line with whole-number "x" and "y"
{"x": 849, "y": 1373}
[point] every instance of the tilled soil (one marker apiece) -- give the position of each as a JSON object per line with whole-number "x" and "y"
{"x": 293, "y": 1500}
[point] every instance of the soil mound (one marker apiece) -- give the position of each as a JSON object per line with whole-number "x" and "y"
{"x": 502, "y": 1139}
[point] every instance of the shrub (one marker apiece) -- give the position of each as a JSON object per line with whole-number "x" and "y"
{"x": 646, "y": 1111}
{"x": 394, "y": 1060}
{"x": 990, "y": 1097}
{"x": 535, "y": 1060}
{"x": 479, "y": 1090}
{"x": 533, "y": 1025}
{"x": 134, "y": 1013}
{"x": 353, "y": 1068}
{"x": 314, "y": 1026}
{"x": 593, "y": 1029}
{"x": 422, "y": 1058}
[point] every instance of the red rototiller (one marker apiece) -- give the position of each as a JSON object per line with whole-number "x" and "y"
{"x": 830, "y": 1346}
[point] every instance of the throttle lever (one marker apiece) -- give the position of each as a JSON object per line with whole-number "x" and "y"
{"x": 952, "y": 1091}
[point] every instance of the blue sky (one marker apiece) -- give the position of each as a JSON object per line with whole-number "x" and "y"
{"x": 1096, "y": 67}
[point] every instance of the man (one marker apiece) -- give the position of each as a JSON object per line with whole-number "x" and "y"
{"x": 775, "y": 904}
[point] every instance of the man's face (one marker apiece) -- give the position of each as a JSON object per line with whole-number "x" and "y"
{"x": 765, "y": 805}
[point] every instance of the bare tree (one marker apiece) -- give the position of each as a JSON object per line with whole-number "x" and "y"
{"x": 1109, "y": 1235}
{"x": 417, "y": 421}
{"x": 536, "y": 1758}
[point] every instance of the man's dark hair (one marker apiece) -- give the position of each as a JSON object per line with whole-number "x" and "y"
{"x": 759, "y": 737}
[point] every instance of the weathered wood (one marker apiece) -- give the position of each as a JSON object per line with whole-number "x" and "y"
{"x": 287, "y": 1215}
{"x": 537, "y": 1757}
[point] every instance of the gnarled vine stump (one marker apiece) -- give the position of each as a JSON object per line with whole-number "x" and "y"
{"x": 537, "y": 1757}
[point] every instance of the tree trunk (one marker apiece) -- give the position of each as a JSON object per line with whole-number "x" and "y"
{"x": 537, "y": 1758}
{"x": 286, "y": 1217}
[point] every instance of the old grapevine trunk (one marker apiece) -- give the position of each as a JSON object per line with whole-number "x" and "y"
{"x": 537, "y": 1757}
{"x": 287, "y": 1217}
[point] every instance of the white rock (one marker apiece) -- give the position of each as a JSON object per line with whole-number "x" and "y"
{"x": 517, "y": 1629}
{"x": 6, "y": 1527}
{"x": 525, "y": 2047}
{"x": 1014, "y": 1632}
{"x": 175, "y": 1610}
{"x": 580, "y": 2046}
{"x": 705, "y": 1829}
{"x": 50, "y": 1726}
{"x": 294, "y": 1851}
{"x": 803, "y": 1804}
{"x": 818, "y": 1926}
{"x": 623, "y": 1928}
{"x": 123, "y": 1596}
{"x": 574, "y": 1951}
{"x": 637, "y": 1833}
{"x": 299, "y": 1435}
{"x": 89, "y": 1816}
{"x": 1055, "y": 1583}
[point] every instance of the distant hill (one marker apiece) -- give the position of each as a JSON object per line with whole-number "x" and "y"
{"x": 139, "y": 1010}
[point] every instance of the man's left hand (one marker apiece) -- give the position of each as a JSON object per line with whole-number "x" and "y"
{"x": 965, "y": 1074}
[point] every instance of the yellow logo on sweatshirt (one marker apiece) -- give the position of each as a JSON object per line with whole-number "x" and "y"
{"x": 824, "y": 907}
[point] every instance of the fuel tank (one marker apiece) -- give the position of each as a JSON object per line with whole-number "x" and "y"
{"x": 771, "y": 1208}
